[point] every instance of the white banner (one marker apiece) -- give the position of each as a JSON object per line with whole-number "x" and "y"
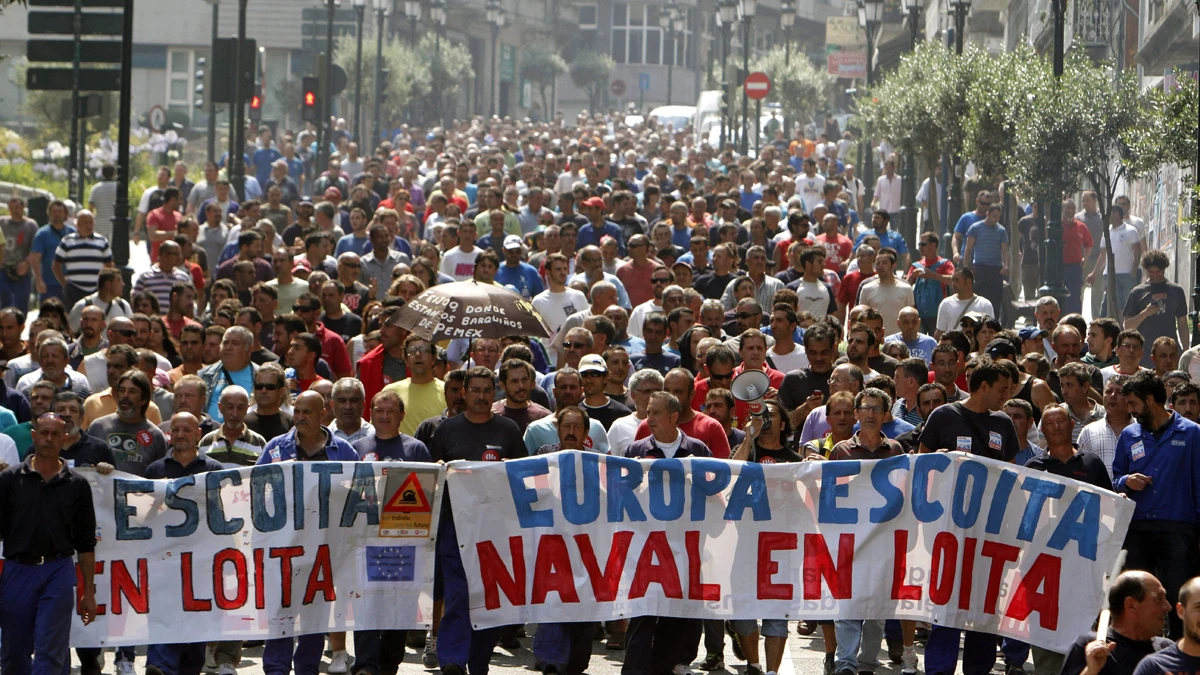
{"x": 950, "y": 538}
{"x": 263, "y": 552}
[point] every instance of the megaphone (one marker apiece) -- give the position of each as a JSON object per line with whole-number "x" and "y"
{"x": 750, "y": 387}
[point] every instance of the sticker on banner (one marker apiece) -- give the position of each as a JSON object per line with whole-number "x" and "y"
{"x": 390, "y": 563}
{"x": 406, "y": 510}
{"x": 994, "y": 440}
{"x": 1137, "y": 451}
{"x": 963, "y": 444}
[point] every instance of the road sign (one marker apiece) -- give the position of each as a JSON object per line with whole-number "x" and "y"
{"x": 339, "y": 81}
{"x": 617, "y": 88}
{"x": 757, "y": 85}
{"x": 157, "y": 118}
{"x": 644, "y": 82}
{"x": 61, "y": 51}
{"x": 407, "y": 508}
{"x": 60, "y": 79}
{"x": 87, "y": 4}
{"x": 63, "y": 23}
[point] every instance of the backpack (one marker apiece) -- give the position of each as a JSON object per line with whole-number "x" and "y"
{"x": 928, "y": 293}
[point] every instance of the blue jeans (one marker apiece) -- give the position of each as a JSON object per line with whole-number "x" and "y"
{"x": 36, "y": 607}
{"x": 1125, "y": 285}
{"x": 458, "y": 643}
{"x": 185, "y": 658}
{"x": 302, "y": 654}
{"x": 16, "y": 293}
{"x": 857, "y": 645}
{"x": 1073, "y": 280}
{"x": 941, "y": 651}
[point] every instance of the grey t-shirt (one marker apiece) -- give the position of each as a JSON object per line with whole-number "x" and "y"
{"x": 18, "y": 237}
{"x": 135, "y": 446}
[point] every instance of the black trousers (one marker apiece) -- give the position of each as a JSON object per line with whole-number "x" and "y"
{"x": 379, "y": 652}
{"x": 654, "y": 645}
{"x": 1168, "y": 553}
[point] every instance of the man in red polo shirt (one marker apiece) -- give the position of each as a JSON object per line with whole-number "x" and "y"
{"x": 162, "y": 223}
{"x": 333, "y": 349}
{"x": 1077, "y": 244}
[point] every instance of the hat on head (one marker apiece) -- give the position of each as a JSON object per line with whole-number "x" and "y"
{"x": 594, "y": 202}
{"x": 301, "y": 264}
{"x": 974, "y": 318}
{"x": 1032, "y": 333}
{"x": 1001, "y": 348}
{"x": 333, "y": 193}
{"x": 592, "y": 363}
{"x": 304, "y": 202}
{"x": 512, "y": 241}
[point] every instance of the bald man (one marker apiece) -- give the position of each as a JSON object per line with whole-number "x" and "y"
{"x": 918, "y": 343}
{"x": 1139, "y": 605}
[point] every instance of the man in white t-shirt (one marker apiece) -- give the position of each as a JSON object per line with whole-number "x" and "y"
{"x": 459, "y": 262}
{"x": 558, "y": 302}
{"x": 813, "y": 294}
{"x": 785, "y": 354}
{"x": 809, "y": 185}
{"x": 1127, "y": 253}
{"x": 885, "y": 292}
{"x": 955, "y": 307}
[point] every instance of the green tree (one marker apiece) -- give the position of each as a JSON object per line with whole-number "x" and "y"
{"x": 448, "y": 68}
{"x": 1000, "y": 103}
{"x": 542, "y": 65}
{"x": 590, "y": 72}
{"x": 1170, "y": 137}
{"x": 411, "y": 74}
{"x": 923, "y": 104}
{"x": 798, "y": 86}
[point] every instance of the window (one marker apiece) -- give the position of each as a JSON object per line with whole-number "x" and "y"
{"x": 638, "y": 39}
{"x": 587, "y": 16}
{"x": 179, "y": 81}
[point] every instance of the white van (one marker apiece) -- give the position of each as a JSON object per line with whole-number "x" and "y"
{"x": 708, "y": 114}
{"x": 675, "y": 117}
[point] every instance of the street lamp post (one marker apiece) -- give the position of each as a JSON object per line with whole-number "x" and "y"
{"x": 671, "y": 21}
{"x": 495, "y": 17}
{"x": 747, "y": 8}
{"x": 959, "y": 9}
{"x": 412, "y": 9}
{"x": 787, "y": 19}
{"x": 726, "y": 12}
{"x": 212, "y": 60}
{"x": 237, "y": 167}
{"x": 870, "y": 14}
{"x": 437, "y": 14}
{"x": 382, "y": 10}
{"x": 909, "y": 182}
{"x": 1052, "y": 246}
{"x": 326, "y": 133}
{"x": 360, "y": 8}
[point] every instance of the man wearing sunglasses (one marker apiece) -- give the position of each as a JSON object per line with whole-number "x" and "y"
{"x": 660, "y": 278}
{"x": 94, "y": 367}
{"x": 333, "y": 349}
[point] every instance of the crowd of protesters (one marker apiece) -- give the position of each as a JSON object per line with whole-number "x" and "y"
{"x": 265, "y": 331}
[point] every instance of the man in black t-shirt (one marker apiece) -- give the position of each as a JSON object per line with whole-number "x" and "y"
{"x": 598, "y": 405}
{"x": 1157, "y": 307}
{"x": 1183, "y": 657}
{"x": 807, "y": 388}
{"x": 1139, "y": 605}
{"x": 80, "y": 450}
{"x": 972, "y": 426}
{"x": 1061, "y": 458}
{"x": 477, "y": 435}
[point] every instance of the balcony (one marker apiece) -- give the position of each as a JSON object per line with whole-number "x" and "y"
{"x": 1168, "y": 36}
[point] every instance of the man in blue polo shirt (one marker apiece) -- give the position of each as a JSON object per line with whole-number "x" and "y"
{"x": 982, "y": 201}
{"x": 1157, "y": 465}
{"x": 986, "y": 252}
{"x": 888, "y": 238}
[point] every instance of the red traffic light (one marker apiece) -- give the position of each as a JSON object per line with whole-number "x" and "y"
{"x": 255, "y": 102}
{"x": 310, "y": 99}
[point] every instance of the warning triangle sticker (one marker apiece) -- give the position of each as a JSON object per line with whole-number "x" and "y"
{"x": 410, "y": 498}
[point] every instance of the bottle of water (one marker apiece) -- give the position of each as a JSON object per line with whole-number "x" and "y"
{"x": 292, "y": 383}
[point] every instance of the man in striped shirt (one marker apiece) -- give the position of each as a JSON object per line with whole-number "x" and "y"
{"x": 163, "y": 274}
{"x": 79, "y": 258}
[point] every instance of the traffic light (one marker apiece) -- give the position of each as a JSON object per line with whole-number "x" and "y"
{"x": 201, "y": 77}
{"x": 256, "y": 104}
{"x": 310, "y": 111}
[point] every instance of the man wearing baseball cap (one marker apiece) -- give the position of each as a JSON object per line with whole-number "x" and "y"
{"x": 1031, "y": 340}
{"x": 516, "y": 273}
{"x": 598, "y": 405}
{"x": 590, "y": 234}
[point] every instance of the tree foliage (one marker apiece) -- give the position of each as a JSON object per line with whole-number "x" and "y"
{"x": 542, "y": 65}
{"x": 798, "y": 86}
{"x": 412, "y": 74}
{"x": 1000, "y": 105}
{"x": 590, "y": 72}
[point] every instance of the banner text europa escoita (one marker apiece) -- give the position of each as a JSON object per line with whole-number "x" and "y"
{"x": 951, "y": 538}
{"x": 265, "y": 551}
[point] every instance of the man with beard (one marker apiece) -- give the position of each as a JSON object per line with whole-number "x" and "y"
{"x": 91, "y": 335}
{"x": 1139, "y": 605}
{"x": 572, "y": 422}
{"x": 121, "y": 358}
{"x": 184, "y": 459}
{"x": 930, "y": 396}
{"x": 516, "y": 378}
{"x": 806, "y": 388}
{"x": 1185, "y": 400}
{"x": 1154, "y": 464}
{"x": 80, "y": 449}
{"x": 53, "y": 366}
{"x": 268, "y": 418}
{"x": 476, "y": 435}
{"x": 135, "y": 441}
{"x": 1183, "y": 656}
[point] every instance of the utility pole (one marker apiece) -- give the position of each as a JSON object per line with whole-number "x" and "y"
{"x": 959, "y": 9}
{"x": 909, "y": 186}
{"x": 74, "y": 164}
{"x": 1052, "y": 246}
{"x": 327, "y": 99}
{"x": 211, "y": 65}
{"x": 748, "y": 8}
{"x": 120, "y": 242}
{"x": 381, "y": 13}
{"x": 360, "y": 8}
{"x": 237, "y": 166}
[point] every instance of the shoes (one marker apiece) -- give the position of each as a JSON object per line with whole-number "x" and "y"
{"x": 510, "y": 641}
{"x": 429, "y": 656}
{"x": 153, "y": 670}
{"x": 845, "y": 671}
{"x": 909, "y": 661}
{"x": 1014, "y": 669}
{"x": 682, "y": 669}
{"x": 210, "y": 657}
{"x": 616, "y": 641}
{"x": 895, "y": 650}
{"x": 415, "y": 639}
{"x": 713, "y": 661}
{"x": 804, "y": 628}
{"x": 737, "y": 644}
{"x": 453, "y": 669}
{"x": 340, "y": 663}
{"x": 829, "y": 664}
{"x": 226, "y": 669}
{"x": 752, "y": 669}
{"x": 125, "y": 668}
